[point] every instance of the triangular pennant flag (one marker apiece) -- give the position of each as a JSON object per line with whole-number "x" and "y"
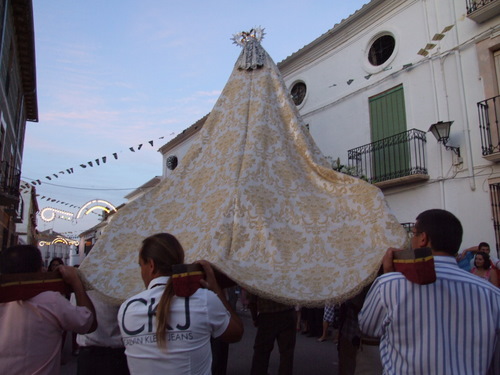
{"x": 56, "y": 176}
{"x": 48, "y": 178}
{"x": 139, "y": 147}
{"x": 131, "y": 149}
{"x": 151, "y": 143}
{"x": 90, "y": 163}
{"x": 33, "y": 183}
{"x": 39, "y": 182}
{"x": 83, "y": 166}
{"x": 69, "y": 170}
{"x": 115, "y": 155}
{"x": 61, "y": 172}
{"x": 97, "y": 161}
{"x": 104, "y": 159}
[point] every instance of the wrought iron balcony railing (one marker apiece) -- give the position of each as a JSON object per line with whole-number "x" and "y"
{"x": 391, "y": 158}
{"x": 482, "y": 10}
{"x": 489, "y": 125}
{"x": 10, "y": 179}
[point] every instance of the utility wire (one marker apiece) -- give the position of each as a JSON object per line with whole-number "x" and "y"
{"x": 81, "y": 188}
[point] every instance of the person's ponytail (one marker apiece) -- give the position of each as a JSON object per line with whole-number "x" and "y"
{"x": 163, "y": 314}
{"x": 165, "y": 251}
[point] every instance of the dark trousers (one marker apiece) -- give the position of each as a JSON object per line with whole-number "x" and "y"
{"x": 97, "y": 360}
{"x": 315, "y": 321}
{"x": 347, "y": 356}
{"x": 220, "y": 351}
{"x": 278, "y": 326}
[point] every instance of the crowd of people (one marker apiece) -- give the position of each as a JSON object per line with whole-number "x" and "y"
{"x": 393, "y": 326}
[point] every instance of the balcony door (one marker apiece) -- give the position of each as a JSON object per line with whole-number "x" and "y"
{"x": 388, "y": 118}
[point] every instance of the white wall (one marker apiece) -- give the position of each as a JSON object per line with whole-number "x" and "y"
{"x": 444, "y": 86}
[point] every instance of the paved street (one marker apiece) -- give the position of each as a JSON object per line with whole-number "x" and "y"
{"x": 311, "y": 356}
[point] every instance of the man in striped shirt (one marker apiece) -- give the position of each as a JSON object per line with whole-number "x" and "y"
{"x": 448, "y": 327}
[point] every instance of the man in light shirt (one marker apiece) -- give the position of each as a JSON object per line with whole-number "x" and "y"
{"x": 32, "y": 329}
{"x": 434, "y": 328}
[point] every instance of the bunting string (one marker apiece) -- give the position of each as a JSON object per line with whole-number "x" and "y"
{"x": 90, "y": 164}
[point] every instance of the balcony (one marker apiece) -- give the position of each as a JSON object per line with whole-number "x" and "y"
{"x": 489, "y": 127}
{"x": 10, "y": 178}
{"x": 392, "y": 161}
{"x": 482, "y": 10}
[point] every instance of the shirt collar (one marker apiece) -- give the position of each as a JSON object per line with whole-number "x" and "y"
{"x": 449, "y": 260}
{"x": 161, "y": 280}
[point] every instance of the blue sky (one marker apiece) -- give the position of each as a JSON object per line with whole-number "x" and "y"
{"x": 118, "y": 73}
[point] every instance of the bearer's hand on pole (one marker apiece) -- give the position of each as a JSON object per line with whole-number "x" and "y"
{"x": 210, "y": 282}
{"x": 387, "y": 264}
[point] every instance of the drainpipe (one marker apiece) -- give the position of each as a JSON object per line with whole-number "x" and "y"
{"x": 465, "y": 113}
{"x": 436, "y": 107}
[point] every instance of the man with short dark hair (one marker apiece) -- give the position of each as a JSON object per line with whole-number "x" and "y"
{"x": 434, "y": 328}
{"x": 31, "y": 330}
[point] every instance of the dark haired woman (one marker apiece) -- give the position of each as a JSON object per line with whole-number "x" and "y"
{"x": 54, "y": 263}
{"x": 167, "y": 334}
{"x": 482, "y": 268}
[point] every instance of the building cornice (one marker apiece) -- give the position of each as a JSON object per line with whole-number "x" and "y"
{"x": 185, "y": 134}
{"x": 342, "y": 32}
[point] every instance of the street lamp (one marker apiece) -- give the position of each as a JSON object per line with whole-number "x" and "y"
{"x": 441, "y": 130}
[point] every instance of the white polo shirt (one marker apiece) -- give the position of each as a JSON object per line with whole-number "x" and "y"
{"x": 193, "y": 320}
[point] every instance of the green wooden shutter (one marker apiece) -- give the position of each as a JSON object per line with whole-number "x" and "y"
{"x": 388, "y": 118}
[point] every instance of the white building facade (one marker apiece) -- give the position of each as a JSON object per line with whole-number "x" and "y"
{"x": 370, "y": 88}
{"x": 28, "y": 208}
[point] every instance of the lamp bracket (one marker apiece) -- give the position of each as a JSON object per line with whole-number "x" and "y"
{"x": 456, "y": 150}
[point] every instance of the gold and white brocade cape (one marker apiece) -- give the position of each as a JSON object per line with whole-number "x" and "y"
{"x": 255, "y": 196}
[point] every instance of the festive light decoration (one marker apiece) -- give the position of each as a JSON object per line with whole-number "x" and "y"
{"x": 97, "y": 208}
{"x": 52, "y": 212}
{"x": 95, "y": 201}
{"x": 48, "y": 214}
{"x": 58, "y": 239}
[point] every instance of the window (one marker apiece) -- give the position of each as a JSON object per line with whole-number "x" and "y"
{"x": 381, "y": 50}
{"x": 172, "y": 162}
{"x": 298, "y": 93}
{"x": 88, "y": 246}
